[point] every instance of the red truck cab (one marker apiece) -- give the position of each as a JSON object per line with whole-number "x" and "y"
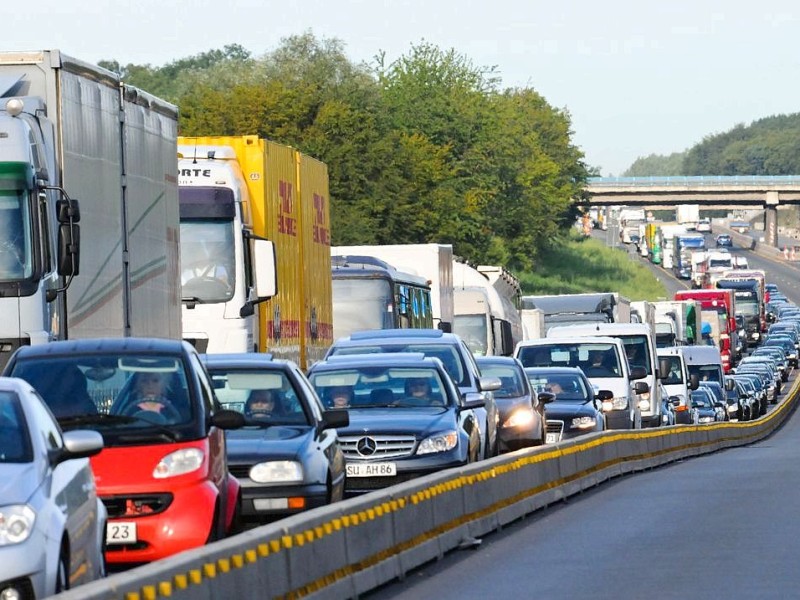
{"x": 721, "y": 301}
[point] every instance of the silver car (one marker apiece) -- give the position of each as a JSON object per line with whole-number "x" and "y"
{"x": 51, "y": 522}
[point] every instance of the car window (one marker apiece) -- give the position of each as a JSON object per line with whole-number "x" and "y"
{"x": 15, "y": 443}
{"x": 263, "y": 396}
{"x": 566, "y": 386}
{"x": 512, "y": 380}
{"x": 380, "y": 387}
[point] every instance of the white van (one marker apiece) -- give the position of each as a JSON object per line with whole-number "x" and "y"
{"x": 640, "y": 347}
{"x": 610, "y": 371}
{"x": 678, "y": 382}
{"x": 705, "y": 362}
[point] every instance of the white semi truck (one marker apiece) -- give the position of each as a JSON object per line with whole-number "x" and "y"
{"x": 486, "y": 314}
{"x": 84, "y": 156}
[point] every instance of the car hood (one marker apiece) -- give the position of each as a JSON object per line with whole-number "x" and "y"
{"x": 569, "y": 410}
{"x": 277, "y": 441}
{"x": 409, "y": 421}
{"x": 507, "y": 405}
{"x": 18, "y": 482}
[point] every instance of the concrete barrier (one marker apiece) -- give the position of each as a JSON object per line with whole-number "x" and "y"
{"x": 351, "y": 547}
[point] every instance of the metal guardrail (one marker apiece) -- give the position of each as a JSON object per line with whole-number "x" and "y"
{"x": 736, "y": 180}
{"x": 354, "y": 546}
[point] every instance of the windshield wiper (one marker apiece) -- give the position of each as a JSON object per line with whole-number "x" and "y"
{"x": 106, "y": 419}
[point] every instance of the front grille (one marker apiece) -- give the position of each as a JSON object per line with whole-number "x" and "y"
{"x": 136, "y": 505}
{"x": 385, "y": 446}
{"x": 555, "y": 427}
{"x": 240, "y": 471}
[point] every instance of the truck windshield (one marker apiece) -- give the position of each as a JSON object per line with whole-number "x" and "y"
{"x": 207, "y": 260}
{"x": 360, "y": 304}
{"x": 16, "y": 256}
{"x": 472, "y": 329}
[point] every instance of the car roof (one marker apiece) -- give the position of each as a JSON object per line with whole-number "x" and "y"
{"x": 14, "y": 384}
{"x": 498, "y": 360}
{"x": 245, "y": 360}
{"x": 102, "y": 345}
{"x": 395, "y": 359}
{"x": 401, "y": 334}
{"x": 554, "y": 370}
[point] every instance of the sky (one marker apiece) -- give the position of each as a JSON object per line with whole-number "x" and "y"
{"x": 637, "y": 77}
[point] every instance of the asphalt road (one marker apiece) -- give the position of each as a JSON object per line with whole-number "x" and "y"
{"x": 717, "y": 526}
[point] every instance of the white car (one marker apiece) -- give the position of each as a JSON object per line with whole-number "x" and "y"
{"x": 704, "y": 226}
{"x": 51, "y": 522}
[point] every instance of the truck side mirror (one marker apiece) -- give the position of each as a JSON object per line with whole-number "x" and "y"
{"x": 265, "y": 271}
{"x": 663, "y": 368}
{"x": 641, "y": 387}
{"x": 638, "y": 373}
{"x": 694, "y": 381}
{"x": 69, "y": 248}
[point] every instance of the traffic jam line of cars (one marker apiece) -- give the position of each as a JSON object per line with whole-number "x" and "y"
{"x": 124, "y": 451}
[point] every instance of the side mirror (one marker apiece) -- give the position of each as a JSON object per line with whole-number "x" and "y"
{"x": 641, "y": 387}
{"x": 730, "y": 384}
{"x": 638, "y": 373}
{"x": 604, "y": 395}
{"x": 227, "y": 419}
{"x": 664, "y": 365}
{"x": 546, "y": 397}
{"x": 473, "y": 400}
{"x": 675, "y": 400}
{"x": 694, "y": 381}
{"x": 489, "y": 384}
{"x": 248, "y": 310}
{"x": 333, "y": 418}
{"x": 78, "y": 443}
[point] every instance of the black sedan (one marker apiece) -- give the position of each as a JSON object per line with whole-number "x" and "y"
{"x": 709, "y": 409}
{"x": 724, "y": 240}
{"x": 523, "y": 417}
{"x": 287, "y": 457}
{"x": 577, "y": 409}
{"x": 407, "y": 417}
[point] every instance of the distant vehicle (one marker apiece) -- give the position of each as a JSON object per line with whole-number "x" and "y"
{"x": 51, "y": 521}
{"x": 723, "y": 240}
{"x": 523, "y": 414}
{"x": 163, "y": 467}
{"x": 407, "y": 417}
{"x": 576, "y": 409}
{"x": 710, "y": 410}
{"x": 704, "y": 225}
{"x": 287, "y": 456}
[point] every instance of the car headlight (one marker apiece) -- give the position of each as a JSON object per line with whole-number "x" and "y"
{"x": 441, "y": 442}
{"x": 179, "y": 462}
{"x": 706, "y": 419}
{"x": 520, "y": 417}
{"x": 644, "y": 404}
{"x": 16, "y": 523}
{"x": 617, "y": 403}
{"x": 277, "y": 471}
{"x": 732, "y": 408}
{"x": 584, "y": 423}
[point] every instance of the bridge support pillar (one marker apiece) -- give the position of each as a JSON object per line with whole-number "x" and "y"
{"x": 771, "y": 225}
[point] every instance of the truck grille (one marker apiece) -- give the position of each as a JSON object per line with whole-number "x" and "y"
{"x": 377, "y": 447}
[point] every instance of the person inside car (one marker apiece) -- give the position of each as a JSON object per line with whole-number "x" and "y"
{"x": 150, "y": 396}
{"x": 597, "y": 367}
{"x": 260, "y": 405}
{"x": 418, "y": 391}
{"x": 341, "y": 396}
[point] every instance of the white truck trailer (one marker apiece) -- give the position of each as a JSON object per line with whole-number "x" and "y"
{"x": 567, "y": 309}
{"x": 84, "y": 156}
{"x": 486, "y": 313}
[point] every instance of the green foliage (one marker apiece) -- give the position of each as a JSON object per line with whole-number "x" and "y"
{"x": 657, "y": 165}
{"x": 769, "y": 146}
{"x": 425, "y": 148}
{"x": 578, "y": 265}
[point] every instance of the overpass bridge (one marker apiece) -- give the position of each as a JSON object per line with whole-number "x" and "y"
{"x": 754, "y": 191}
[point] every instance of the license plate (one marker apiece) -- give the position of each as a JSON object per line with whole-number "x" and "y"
{"x": 550, "y": 438}
{"x": 120, "y": 533}
{"x": 371, "y": 470}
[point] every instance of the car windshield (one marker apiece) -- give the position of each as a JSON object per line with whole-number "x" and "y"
{"x": 511, "y": 379}
{"x": 567, "y": 387}
{"x": 129, "y": 398}
{"x": 265, "y": 397}
{"x": 15, "y": 441}
{"x": 381, "y": 387}
{"x": 701, "y": 400}
{"x": 447, "y": 353}
{"x": 596, "y": 359}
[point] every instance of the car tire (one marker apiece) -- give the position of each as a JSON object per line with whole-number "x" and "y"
{"x": 62, "y": 570}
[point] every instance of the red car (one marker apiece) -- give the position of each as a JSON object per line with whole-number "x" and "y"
{"x": 163, "y": 474}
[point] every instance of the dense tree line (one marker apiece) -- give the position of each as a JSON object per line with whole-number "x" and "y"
{"x": 425, "y": 148}
{"x": 769, "y": 146}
